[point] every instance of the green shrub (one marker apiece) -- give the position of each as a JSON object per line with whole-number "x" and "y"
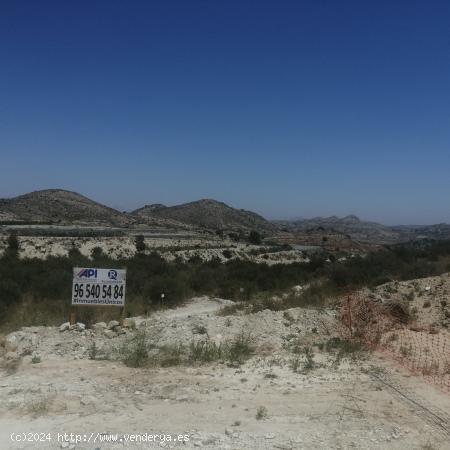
{"x": 227, "y": 253}
{"x": 205, "y": 351}
{"x": 345, "y": 348}
{"x": 12, "y": 250}
{"x": 261, "y": 413}
{"x": 254, "y": 238}
{"x": 309, "y": 363}
{"x": 134, "y": 352}
{"x": 240, "y": 349}
{"x": 139, "y": 242}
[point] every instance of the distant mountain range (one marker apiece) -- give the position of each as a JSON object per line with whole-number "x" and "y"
{"x": 59, "y": 206}
{"x": 363, "y": 231}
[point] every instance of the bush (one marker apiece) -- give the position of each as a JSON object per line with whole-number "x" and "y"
{"x": 97, "y": 253}
{"x": 254, "y": 238}
{"x": 240, "y": 349}
{"x": 42, "y": 288}
{"x": 345, "y": 348}
{"x": 227, "y": 254}
{"x": 12, "y": 250}
{"x": 261, "y": 413}
{"x": 309, "y": 363}
{"x": 139, "y": 242}
{"x": 134, "y": 353}
{"x": 205, "y": 351}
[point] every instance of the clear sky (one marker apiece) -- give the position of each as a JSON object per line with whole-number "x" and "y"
{"x": 289, "y": 108}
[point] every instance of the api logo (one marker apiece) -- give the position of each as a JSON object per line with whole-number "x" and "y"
{"x": 87, "y": 273}
{"x": 112, "y": 274}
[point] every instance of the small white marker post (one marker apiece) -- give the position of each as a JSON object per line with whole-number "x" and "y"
{"x": 162, "y": 299}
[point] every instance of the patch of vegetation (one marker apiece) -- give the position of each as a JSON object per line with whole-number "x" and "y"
{"x": 254, "y": 238}
{"x": 39, "y": 406}
{"x": 205, "y": 351}
{"x": 139, "y": 242}
{"x": 12, "y": 249}
{"x": 271, "y": 376}
{"x": 406, "y": 350}
{"x": 230, "y": 310}
{"x": 199, "y": 329}
{"x": 138, "y": 351}
{"x": 309, "y": 363}
{"x": 261, "y": 413}
{"x": 227, "y": 253}
{"x": 134, "y": 352}
{"x": 345, "y": 348}
{"x": 240, "y": 349}
{"x": 295, "y": 364}
{"x": 93, "y": 351}
{"x": 37, "y": 292}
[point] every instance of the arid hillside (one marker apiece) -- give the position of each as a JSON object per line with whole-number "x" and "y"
{"x": 210, "y": 214}
{"x": 60, "y": 206}
{"x": 352, "y": 226}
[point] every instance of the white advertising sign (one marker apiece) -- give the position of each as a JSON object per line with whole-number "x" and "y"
{"x": 93, "y": 287}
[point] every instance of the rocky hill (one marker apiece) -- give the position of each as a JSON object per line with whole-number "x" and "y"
{"x": 209, "y": 214}
{"x": 364, "y": 231}
{"x": 352, "y": 226}
{"x": 414, "y": 232}
{"x": 60, "y": 206}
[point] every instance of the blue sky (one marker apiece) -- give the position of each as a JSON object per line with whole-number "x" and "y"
{"x": 288, "y": 108}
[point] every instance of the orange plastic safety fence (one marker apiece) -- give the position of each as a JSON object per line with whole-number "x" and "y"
{"x": 425, "y": 352}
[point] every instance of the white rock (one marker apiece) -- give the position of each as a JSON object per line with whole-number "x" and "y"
{"x": 12, "y": 356}
{"x": 80, "y": 326}
{"x": 99, "y": 326}
{"x": 109, "y": 334}
{"x": 64, "y": 327}
{"x": 113, "y": 324}
{"x": 87, "y": 400}
{"x": 12, "y": 343}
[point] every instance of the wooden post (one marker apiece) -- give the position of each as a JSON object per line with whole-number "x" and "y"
{"x": 349, "y": 316}
{"x": 73, "y": 316}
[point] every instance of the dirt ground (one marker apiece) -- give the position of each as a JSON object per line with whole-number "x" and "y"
{"x": 367, "y": 403}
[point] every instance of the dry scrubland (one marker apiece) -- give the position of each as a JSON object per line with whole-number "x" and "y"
{"x": 170, "y": 249}
{"x": 246, "y": 380}
{"x": 276, "y": 371}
